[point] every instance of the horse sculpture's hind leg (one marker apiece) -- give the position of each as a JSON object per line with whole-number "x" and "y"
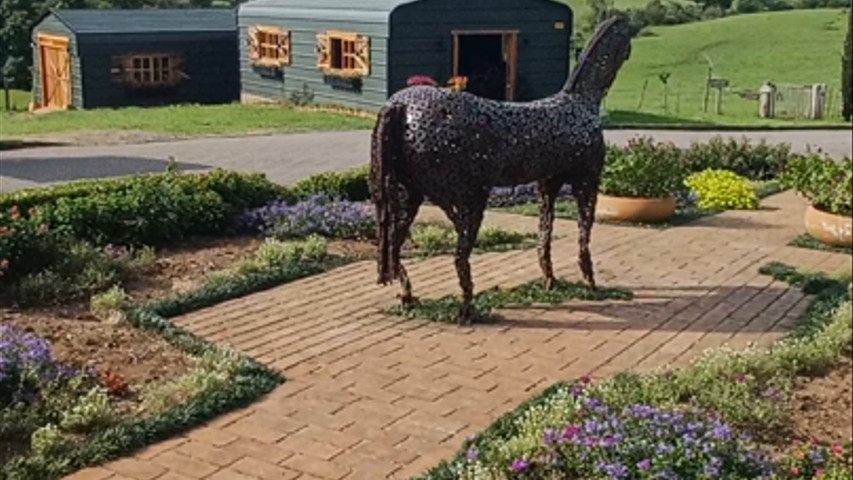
{"x": 585, "y": 191}
{"x": 407, "y": 205}
{"x": 467, "y": 219}
{"x": 548, "y": 191}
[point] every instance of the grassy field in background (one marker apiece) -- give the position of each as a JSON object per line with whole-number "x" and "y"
{"x": 180, "y": 119}
{"x": 19, "y": 100}
{"x": 790, "y": 47}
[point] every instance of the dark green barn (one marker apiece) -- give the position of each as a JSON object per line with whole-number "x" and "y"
{"x": 98, "y": 58}
{"x": 357, "y": 53}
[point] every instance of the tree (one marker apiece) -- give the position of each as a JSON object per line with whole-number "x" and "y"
{"x": 847, "y": 72}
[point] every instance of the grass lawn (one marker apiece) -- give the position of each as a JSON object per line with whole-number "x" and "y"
{"x": 180, "y": 119}
{"x": 791, "y": 47}
{"x": 19, "y": 100}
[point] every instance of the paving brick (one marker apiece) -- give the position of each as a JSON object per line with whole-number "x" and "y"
{"x": 317, "y": 467}
{"x": 185, "y": 465}
{"x": 214, "y": 455}
{"x": 136, "y": 469}
{"x": 96, "y": 473}
{"x": 263, "y": 469}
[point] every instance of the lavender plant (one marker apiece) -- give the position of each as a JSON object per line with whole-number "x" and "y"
{"x": 521, "y": 194}
{"x": 316, "y": 215}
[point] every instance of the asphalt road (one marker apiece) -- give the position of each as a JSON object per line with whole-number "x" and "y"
{"x": 286, "y": 158}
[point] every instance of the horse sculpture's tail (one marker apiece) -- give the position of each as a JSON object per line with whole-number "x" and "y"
{"x": 386, "y": 151}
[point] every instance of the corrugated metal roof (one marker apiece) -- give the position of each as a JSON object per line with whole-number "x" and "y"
{"x": 148, "y": 20}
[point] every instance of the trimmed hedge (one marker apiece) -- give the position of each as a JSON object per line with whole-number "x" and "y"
{"x": 348, "y": 185}
{"x": 38, "y": 226}
{"x": 252, "y": 381}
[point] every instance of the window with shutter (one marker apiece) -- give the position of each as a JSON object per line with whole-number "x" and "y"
{"x": 269, "y": 46}
{"x": 343, "y": 53}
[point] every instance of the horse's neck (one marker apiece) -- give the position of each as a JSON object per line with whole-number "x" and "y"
{"x": 579, "y": 103}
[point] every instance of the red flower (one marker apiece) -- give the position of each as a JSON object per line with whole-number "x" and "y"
{"x": 115, "y": 384}
{"x": 16, "y": 212}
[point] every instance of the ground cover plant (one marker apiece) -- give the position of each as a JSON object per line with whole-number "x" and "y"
{"x": 706, "y": 420}
{"x": 807, "y": 241}
{"x": 446, "y": 309}
{"x": 180, "y": 120}
{"x": 646, "y": 168}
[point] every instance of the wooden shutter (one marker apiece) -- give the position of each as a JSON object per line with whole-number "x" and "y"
{"x": 254, "y": 44}
{"x": 362, "y": 55}
{"x": 323, "y": 50}
{"x": 284, "y": 47}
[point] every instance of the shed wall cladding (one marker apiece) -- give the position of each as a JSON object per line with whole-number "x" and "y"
{"x": 208, "y": 63}
{"x": 422, "y": 40}
{"x": 52, "y": 26}
{"x": 304, "y": 25}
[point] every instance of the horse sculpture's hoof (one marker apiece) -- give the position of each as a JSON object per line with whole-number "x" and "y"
{"x": 467, "y": 314}
{"x": 409, "y": 301}
{"x": 549, "y": 283}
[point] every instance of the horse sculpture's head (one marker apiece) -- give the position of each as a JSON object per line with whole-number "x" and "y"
{"x": 600, "y": 61}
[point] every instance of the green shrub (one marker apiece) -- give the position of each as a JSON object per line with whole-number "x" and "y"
{"x": 28, "y": 245}
{"x": 433, "y": 238}
{"x": 643, "y": 169}
{"x": 723, "y": 190}
{"x": 92, "y": 410}
{"x": 109, "y": 306}
{"x": 826, "y": 183}
{"x": 755, "y": 161}
{"x": 496, "y": 237}
{"x": 275, "y": 253}
{"x": 241, "y": 190}
{"x": 349, "y": 185}
{"x": 83, "y": 271}
{"x": 49, "y": 441}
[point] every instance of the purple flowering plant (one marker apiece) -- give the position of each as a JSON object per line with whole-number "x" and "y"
{"x": 577, "y": 435}
{"x": 521, "y": 194}
{"x": 34, "y": 387}
{"x": 316, "y": 215}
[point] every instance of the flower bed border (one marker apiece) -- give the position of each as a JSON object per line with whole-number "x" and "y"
{"x": 828, "y": 295}
{"x": 252, "y": 381}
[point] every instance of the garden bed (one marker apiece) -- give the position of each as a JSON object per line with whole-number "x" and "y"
{"x": 729, "y": 414}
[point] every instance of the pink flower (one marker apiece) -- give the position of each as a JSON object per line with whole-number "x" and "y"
{"x": 795, "y": 471}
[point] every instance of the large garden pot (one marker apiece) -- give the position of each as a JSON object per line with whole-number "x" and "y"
{"x": 634, "y": 209}
{"x": 829, "y": 228}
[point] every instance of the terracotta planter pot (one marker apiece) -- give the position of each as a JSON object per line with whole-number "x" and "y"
{"x": 634, "y": 209}
{"x": 829, "y": 228}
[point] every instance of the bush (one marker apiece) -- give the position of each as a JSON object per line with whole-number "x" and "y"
{"x": 432, "y": 238}
{"x": 91, "y": 411}
{"x": 643, "y": 169}
{"x": 278, "y": 253}
{"x": 349, "y": 185}
{"x": 109, "y": 306}
{"x": 83, "y": 271}
{"x": 826, "y": 183}
{"x": 37, "y": 227}
{"x": 723, "y": 190}
{"x": 755, "y": 161}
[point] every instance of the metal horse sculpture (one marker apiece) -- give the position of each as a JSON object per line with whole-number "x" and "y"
{"x": 454, "y": 147}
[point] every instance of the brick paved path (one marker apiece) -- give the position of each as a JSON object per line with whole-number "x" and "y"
{"x": 370, "y": 396}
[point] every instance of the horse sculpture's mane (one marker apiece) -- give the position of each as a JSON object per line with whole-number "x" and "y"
{"x": 454, "y": 147}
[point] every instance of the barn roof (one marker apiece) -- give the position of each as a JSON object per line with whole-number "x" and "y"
{"x": 148, "y": 20}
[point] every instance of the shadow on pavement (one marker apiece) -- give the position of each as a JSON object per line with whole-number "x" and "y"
{"x": 42, "y": 170}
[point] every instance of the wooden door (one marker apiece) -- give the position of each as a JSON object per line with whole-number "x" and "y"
{"x": 55, "y": 69}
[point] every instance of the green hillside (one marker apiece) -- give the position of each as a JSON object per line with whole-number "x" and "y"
{"x": 793, "y": 47}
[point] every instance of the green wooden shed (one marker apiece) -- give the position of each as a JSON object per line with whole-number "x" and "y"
{"x": 98, "y": 58}
{"x": 358, "y": 53}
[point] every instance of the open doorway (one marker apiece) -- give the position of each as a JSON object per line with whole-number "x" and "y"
{"x": 488, "y": 59}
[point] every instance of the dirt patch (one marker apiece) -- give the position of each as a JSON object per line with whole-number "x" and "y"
{"x": 823, "y": 406}
{"x": 184, "y": 267}
{"x": 140, "y": 357}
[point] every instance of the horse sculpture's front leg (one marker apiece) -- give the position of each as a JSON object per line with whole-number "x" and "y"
{"x": 467, "y": 221}
{"x": 548, "y": 191}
